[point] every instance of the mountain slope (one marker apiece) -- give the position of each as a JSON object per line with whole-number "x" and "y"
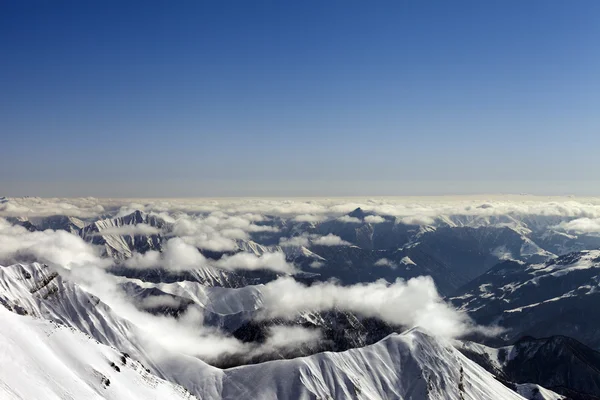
{"x": 412, "y": 365}
{"x": 559, "y": 363}
{"x": 119, "y": 235}
{"x": 558, "y": 297}
{"x": 39, "y": 291}
{"x": 46, "y": 361}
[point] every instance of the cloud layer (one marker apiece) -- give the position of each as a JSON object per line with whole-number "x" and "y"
{"x": 415, "y": 302}
{"x": 581, "y": 225}
{"x": 244, "y": 214}
{"x": 61, "y": 248}
{"x": 139, "y": 229}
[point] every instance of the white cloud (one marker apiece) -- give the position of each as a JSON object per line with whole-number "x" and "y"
{"x": 218, "y": 231}
{"x": 134, "y": 230}
{"x": 130, "y": 208}
{"x": 290, "y": 337}
{"x": 349, "y": 220}
{"x": 186, "y": 335}
{"x": 407, "y": 303}
{"x": 295, "y": 241}
{"x": 316, "y": 264}
{"x": 160, "y": 301}
{"x": 202, "y": 236}
{"x": 181, "y": 256}
{"x": 384, "y": 262}
{"x": 308, "y": 218}
{"x": 580, "y": 225}
{"x": 58, "y": 248}
{"x": 306, "y": 240}
{"x": 416, "y": 220}
{"x": 330, "y": 240}
{"x": 40, "y": 207}
{"x": 416, "y": 210}
{"x": 176, "y": 256}
{"x": 271, "y": 261}
{"x": 221, "y": 221}
{"x": 374, "y": 219}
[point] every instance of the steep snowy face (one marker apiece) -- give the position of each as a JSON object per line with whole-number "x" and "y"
{"x": 226, "y": 305}
{"x": 44, "y": 360}
{"x": 223, "y": 308}
{"x": 50, "y": 361}
{"x": 552, "y": 298}
{"x": 413, "y": 365}
{"x": 39, "y": 291}
{"x": 54, "y": 222}
{"x": 559, "y": 363}
{"x": 121, "y": 236}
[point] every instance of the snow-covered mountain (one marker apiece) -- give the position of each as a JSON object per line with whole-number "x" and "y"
{"x": 558, "y": 297}
{"x": 64, "y": 363}
{"x": 559, "y": 363}
{"x": 44, "y": 360}
{"x": 54, "y": 222}
{"x": 197, "y": 319}
{"x": 121, "y": 236}
{"x": 414, "y": 365}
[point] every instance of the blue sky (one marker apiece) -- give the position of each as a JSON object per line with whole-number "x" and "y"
{"x": 218, "y": 98}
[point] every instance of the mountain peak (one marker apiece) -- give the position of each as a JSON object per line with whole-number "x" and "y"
{"x": 358, "y": 213}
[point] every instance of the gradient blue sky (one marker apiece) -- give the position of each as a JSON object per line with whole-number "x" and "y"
{"x": 215, "y": 98}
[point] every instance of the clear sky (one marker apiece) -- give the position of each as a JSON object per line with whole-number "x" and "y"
{"x": 216, "y": 98}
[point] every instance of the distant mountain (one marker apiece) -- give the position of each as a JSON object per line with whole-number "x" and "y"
{"x": 559, "y": 363}
{"x": 119, "y": 236}
{"x": 469, "y": 252}
{"x": 524, "y": 273}
{"x": 54, "y": 222}
{"x": 557, "y": 297}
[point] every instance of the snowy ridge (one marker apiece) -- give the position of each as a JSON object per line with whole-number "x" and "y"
{"x": 122, "y": 246}
{"x": 39, "y": 291}
{"x": 291, "y": 252}
{"x": 413, "y": 365}
{"x": 51, "y": 362}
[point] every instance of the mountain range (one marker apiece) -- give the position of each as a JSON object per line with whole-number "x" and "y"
{"x": 181, "y": 304}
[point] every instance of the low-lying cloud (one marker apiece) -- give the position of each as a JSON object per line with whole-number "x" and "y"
{"x": 295, "y": 241}
{"x": 330, "y": 240}
{"x": 133, "y": 230}
{"x": 177, "y": 255}
{"x": 580, "y": 225}
{"x": 415, "y": 302}
{"x": 248, "y": 261}
{"x": 374, "y": 219}
{"x": 306, "y": 240}
{"x": 61, "y": 248}
{"x": 349, "y": 220}
{"x": 384, "y": 262}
